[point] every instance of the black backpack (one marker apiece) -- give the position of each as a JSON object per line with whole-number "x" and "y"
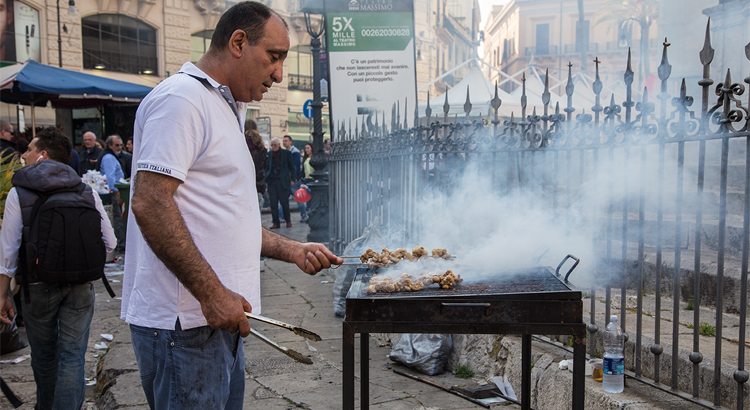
{"x": 62, "y": 237}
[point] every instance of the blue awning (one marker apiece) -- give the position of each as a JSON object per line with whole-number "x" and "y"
{"x": 33, "y": 83}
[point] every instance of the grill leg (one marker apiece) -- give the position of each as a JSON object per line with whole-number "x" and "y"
{"x": 364, "y": 368}
{"x": 526, "y": 372}
{"x": 348, "y": 364}
{"x": 579, "y": 371}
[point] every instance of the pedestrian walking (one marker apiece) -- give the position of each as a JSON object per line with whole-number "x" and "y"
{"x": 195, "y": 238}
{"x": 109, "y": 165}
{"x": 297, "y": 159}
{"x": 58, "y": 299}
{"x": 280, "y": 175}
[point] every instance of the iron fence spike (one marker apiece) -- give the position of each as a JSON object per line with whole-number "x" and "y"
{"x": 665, "y": 69}
{"x": 728, "y": 80}
{"x": 570, "y": 87}
{"x": 496, "y": 101}
{"x": 707, "y": 53}
{"x": 545, "y": 94}
{"x": 467, "y": 104}
{"x": 683, "y": 89}
{"x": 428, "y": 110}
{"x": 628, "y": 77}
{"x": 597, "y": 86}
{"x": 446, "y": 106}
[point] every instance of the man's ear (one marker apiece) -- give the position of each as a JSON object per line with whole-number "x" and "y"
{"x": 236, "y": 42}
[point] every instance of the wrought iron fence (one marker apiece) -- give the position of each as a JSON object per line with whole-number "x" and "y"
{"x": 687, "y": 167}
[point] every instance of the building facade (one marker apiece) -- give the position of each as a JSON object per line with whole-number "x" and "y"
{"x": 446, "y": 34}
{"x": 145, "y": 41}
{"x": 550, "y": 34}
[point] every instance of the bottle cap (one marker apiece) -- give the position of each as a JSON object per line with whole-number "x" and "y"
{"x": 613, "y": 318}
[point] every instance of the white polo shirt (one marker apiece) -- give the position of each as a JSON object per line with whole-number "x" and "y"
{"x": 186, "y": 129}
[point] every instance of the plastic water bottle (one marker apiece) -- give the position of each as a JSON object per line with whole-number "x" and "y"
{"x": 613, "y": 379}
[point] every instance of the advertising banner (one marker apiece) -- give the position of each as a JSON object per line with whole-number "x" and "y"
{"x": 19, "y": 32}
{"x": 371, "y": 59}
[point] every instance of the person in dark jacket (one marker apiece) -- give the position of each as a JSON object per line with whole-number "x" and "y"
{"x": 7, "y": 145}
{"x": 90, "y": 153}
{"x": 57, "y": 315}
{"x": 280, "y": 175}
{"x": 260, "y": 157}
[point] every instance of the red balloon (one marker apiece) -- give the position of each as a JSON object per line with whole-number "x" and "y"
{"x": 302, "y": 195}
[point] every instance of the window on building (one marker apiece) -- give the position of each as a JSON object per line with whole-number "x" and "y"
{"x": 582, "y": 34}
{"x": 542, "y": 39}
{"x": 300, "y": 68}
{"x": 199, "y": 44}
{"x": 114, "y": 42}
{"x": 505, "y": 50}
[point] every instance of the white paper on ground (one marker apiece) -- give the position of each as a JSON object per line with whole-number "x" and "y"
{"x": 100, "y": 346}
{"x": 107, "y": 336}
{"x": 491, "y": 400}
{"x": 17, "y": 360}
{"x": 509, "y": 388}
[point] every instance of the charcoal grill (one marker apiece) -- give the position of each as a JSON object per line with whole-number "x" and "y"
{"x": 532, "y": 301}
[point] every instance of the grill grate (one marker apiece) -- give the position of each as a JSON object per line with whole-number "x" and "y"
{"x": 530, "y": 281}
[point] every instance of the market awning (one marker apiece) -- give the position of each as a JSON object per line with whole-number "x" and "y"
{"x": 31, "y": 83}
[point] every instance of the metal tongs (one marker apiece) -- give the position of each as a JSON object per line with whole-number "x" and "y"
{"x": 297, "y": 331}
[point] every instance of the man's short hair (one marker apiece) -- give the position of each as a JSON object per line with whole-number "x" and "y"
{"x": 4, "y": 125}
{"x": 276, "y": 140}
{"x": 287, "y": 136}
{"x": 248, "y": 16}
{"x": 111, "y": 139}
{"x": 57, "y": 145}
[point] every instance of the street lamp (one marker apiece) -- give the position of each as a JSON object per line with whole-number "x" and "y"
{"x": 72, "y": 11}
{"x": 319, "y": 204}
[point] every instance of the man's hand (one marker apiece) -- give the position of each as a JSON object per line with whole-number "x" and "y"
{"x": 6, "y": 304}
{"x": 314, "y": 257}
{"x": 225, "y": 309}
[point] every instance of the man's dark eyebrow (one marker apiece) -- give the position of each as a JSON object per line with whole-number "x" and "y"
{"x": 280, "y": 52}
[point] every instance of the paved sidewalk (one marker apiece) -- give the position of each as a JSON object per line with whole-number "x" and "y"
{"x": 274, "y": 381}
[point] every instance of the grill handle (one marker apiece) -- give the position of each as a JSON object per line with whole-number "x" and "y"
{"x": 557, "y": 271}
{"x": 484, "y": 305}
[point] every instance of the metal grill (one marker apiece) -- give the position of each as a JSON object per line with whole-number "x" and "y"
{"x": 526, "y": 302}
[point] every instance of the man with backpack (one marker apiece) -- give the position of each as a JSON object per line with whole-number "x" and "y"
{"x": 55, "y": 237}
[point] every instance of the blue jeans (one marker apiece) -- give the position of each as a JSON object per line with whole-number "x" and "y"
{"x": 58, "y": 317}
{"x": 200, "y": 368}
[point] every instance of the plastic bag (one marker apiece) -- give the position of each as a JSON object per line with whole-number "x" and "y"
{"x": 371, "y": 238}
{"x": 10, "y": 341}
{"x": 426, "y": 353}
